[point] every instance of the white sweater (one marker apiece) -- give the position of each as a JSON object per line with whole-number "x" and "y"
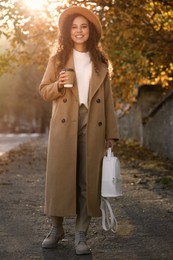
{"x": 83, "y": 69}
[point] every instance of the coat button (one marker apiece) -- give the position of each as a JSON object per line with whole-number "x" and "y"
{"x": 63, "y": 120}
{"x": 99, "y": 123}
{"x": 98, "y": 100}
{"x": 64, "y": 100}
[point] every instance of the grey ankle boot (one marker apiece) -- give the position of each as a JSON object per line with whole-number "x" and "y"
{"x": 53, "y": 237}
{"x": 81, "y": 246}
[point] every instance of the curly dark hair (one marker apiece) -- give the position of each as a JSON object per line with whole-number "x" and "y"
{"x": 66, "y": 45}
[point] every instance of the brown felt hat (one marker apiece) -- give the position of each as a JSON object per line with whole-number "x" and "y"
{"x": 81, "y": 11}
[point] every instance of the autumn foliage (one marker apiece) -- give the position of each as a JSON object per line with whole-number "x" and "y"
{"x": 138, "y": 37}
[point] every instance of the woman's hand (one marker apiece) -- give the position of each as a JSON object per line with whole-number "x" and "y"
{"x": 110, "y": 143}
{"x": 63, "y": 78}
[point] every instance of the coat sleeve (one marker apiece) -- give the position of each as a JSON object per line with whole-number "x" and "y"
{"x": 110, "y": 115}
{"x": 49, "y": 85}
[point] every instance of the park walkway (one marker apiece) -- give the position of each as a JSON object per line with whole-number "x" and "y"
{"x": 144, "y": 213}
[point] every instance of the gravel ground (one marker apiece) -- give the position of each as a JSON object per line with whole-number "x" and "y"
{"x": 144, "y": 213}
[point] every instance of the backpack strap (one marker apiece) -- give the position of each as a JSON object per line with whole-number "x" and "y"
{"x": 109, "y": 221}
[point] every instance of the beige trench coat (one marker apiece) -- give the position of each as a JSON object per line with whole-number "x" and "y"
{"x": 62, "y": 145}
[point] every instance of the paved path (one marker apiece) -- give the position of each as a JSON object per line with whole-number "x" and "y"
{"x": 145, "y": 216}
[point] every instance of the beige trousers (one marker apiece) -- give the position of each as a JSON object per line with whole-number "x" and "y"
{"x": 82, "y": 220}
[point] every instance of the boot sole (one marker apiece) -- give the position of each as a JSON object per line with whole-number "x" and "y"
{"x": 87, "y": 252}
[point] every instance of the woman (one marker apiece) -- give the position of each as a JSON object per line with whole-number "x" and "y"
{"x": 82, "y": 122}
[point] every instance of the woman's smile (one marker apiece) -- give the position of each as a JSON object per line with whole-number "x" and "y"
{"x": 79, "y": 36}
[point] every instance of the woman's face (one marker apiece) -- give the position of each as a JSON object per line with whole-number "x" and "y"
{"x": 80, "y": 33}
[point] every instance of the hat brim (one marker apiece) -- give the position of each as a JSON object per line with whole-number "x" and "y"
{"x": 81, "y": 11}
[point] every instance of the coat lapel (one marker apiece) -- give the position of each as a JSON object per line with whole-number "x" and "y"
{"x": 96, "y": 80}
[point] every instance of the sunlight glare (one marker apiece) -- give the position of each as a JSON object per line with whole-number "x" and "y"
{"x": 35, "y": 4}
